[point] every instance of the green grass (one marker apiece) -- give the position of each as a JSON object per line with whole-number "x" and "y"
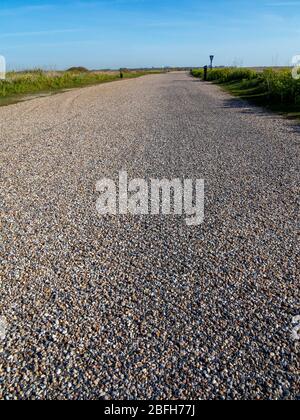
{"x": 18, "y": 85}
{"x": 273, "y": 89}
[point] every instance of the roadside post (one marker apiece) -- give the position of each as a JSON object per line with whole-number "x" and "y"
{"x": 205, "y": 73}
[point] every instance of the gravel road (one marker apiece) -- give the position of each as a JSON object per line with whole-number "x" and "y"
{"x": 127, "y": 307}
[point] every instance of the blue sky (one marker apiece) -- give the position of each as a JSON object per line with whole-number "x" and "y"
{"x": 141, "y": 33}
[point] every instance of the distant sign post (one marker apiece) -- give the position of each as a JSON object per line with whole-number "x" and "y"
{"x": 211, "y": 60}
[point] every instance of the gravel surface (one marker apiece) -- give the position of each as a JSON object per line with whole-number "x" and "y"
{"x": 146, "y": 307}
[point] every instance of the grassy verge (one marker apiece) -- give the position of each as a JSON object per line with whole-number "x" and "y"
{"x": 272, "y": 89}
{"x": 19, "y": 85}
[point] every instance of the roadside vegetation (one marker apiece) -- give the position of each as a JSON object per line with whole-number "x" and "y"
{"x": 33, "y": 82}
{"x": 274, "y": 89}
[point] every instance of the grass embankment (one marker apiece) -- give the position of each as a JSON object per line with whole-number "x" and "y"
{"x": 18, "y": 85}
{"x": 276, "y": 90}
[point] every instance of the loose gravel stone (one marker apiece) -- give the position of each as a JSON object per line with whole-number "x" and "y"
{"x": 147, "y": 307}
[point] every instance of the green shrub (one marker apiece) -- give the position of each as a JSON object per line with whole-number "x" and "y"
{"x": 77, "y": 70}
{"x": 281, "y": 85}
{"x": 197, "y": 73}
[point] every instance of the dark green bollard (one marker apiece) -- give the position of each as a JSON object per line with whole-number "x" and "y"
{"x": 205, "y": 74}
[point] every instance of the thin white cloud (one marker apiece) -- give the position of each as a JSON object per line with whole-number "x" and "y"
{"x": 26, "y": 9}
{"x": 39, "y": 33}
{"x": 284, "y": 4}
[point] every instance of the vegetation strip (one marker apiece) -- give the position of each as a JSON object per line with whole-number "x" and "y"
{"x": 19, "y": 84}
{"x": 276, "y": 90}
